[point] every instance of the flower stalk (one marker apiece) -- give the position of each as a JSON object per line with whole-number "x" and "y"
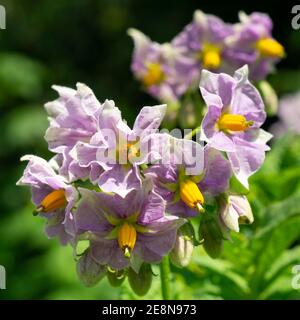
{"x": 191, "y": 134}
{"x": 165, "y": 278}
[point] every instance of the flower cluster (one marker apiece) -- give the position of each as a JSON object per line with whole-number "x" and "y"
{"x": 170, "y": 70}
{"x": 131, "y": 194}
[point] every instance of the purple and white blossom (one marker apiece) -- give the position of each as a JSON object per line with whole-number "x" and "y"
{"x": 252, "y": 43}
{"x": 211, "y": 180}
{"x": 203, "y": 41}
{"x": 115, "y": 151}
{"x": 165, "y": 73}
{"x": 73, "y": 118}
{"x": 41, "y": 176}
{"x": 233, "y": 120}
{"x": 102, "y": 216}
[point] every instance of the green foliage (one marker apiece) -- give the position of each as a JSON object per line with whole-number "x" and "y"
{"x": 20, "y": 76}
{"x": 19, "y": 129}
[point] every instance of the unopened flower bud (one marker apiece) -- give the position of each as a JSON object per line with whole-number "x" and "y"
{"x": 89, "y": 271}
{"x": 190, "y": 113}
{"x": 115, "y": 277}
{"x": 140, "y": 282}
{"x": 184, "y": 246}
{"x": 236, "y": 211}
{"x": 269, "y": 96}
{"x": 171, "y": 117}
{"x": 212, "y": 236}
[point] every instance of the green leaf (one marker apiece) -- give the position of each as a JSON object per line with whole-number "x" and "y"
{"x": 23, "y": 127}
{"x": 270, "y": 245}
{"x": 281, "y": 289}
{"x": 20, "y": 76}
{"x": 225, "y": 270}
{"x": 276, "y": 213}
{"x": 283, "y": 263}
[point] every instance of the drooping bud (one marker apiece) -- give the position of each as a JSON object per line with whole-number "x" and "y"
{"x": 154, "y": 74}
{"x": 269, "y": 47}
{"x": 140, "y": 282}
{"x": 126, "y": 238}
{"x": 191, "y": 195}
{"x": 171, "y": 117}
{"x": 236, "y": 211}
{"x": 233, "y": 122}
{"x": 269, "y": 96}
{"x": 190, "y": 113}
{"x": 184, "y": 246}
{"x": 115, "y": 277}
{"x": 89, "y": 271}
{"x": 53, "y": 201}
{"x": 211, "y": 234}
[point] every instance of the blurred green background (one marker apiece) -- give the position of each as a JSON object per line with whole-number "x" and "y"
{"x": 61, "y": 42}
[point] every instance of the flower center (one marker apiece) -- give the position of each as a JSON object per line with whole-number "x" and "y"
{"x": 154, "y": 74}
{"x": 133, "y": 150}
{"x": 128, "y": 151}
{"x": 127, "y": 238}
{"x": 233, "y": 122}
{"x": 53, "y": 201}
{"x": 191, "y": 195}
{"x": 211, "y": 57}
{"x": 269, "y": 47}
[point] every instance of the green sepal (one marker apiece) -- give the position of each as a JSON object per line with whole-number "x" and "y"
{"x": 141, "y": 229}
{"x": 111, "y": 219}
{"x": 236, "y": 187}
{"x": 113, "y": 234}
{"x": 172, "y": 186}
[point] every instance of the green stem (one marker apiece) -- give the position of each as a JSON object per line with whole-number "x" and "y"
{"x": 192, "y": 133}
{"x": 165, "y": 278}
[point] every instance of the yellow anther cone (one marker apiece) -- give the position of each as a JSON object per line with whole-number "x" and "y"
{"x": 127, "y": 238}
{"x": 154, "y": 75}
{"x": 234, "y": 122}
{"x": 53, "y": 201}
{"x": 271, "y": 48}
{"x": 191, "y": 195}
{"x": 211, "y": 60}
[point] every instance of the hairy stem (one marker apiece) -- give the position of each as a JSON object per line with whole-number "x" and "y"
{"x": 192, "y": 133}
{"x": 165, "y": 278}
